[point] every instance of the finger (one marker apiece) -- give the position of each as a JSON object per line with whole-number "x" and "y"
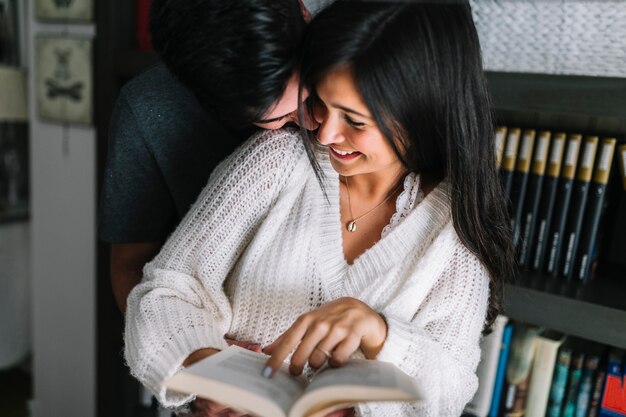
{"x": 345, "y": 349}
{"x": 306, "y": 350}
{"x": 288, "y": 342}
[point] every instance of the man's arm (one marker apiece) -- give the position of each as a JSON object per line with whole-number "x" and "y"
{"x": 127, "y": 262}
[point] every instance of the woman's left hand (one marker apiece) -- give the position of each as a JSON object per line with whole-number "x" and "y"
{"x": 332, "y": 332}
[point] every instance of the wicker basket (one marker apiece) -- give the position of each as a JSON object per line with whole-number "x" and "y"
{"x": 581, "y": 37}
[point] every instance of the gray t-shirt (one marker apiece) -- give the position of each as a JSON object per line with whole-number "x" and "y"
{"x": 162, "y": 148}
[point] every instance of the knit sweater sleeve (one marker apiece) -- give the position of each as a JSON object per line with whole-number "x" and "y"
{"x": 180, "y": 305}
{"x": 439, "y": 346}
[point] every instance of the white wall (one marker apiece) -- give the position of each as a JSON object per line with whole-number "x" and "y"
{"x": 63, "y": 208}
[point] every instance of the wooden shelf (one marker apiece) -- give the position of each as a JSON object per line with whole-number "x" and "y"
{"x": 589, "y": 96}
{"x": 596, "y": 311}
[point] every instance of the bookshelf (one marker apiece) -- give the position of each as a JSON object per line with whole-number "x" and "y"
{"x": 596, "y": 311}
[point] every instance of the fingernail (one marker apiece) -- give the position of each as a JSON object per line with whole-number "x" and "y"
{"x": 267, "y": 372}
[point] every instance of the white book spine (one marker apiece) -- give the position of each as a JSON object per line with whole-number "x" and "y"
{"x": 541, "y": 375}
{"x": 487, "y": 368}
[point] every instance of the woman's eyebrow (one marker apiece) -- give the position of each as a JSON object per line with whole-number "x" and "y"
{"x": 349, "y": 110}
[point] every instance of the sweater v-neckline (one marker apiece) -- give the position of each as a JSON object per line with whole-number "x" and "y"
{"x": 342, "y": 278}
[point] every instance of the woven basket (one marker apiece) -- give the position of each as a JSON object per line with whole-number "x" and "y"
{"x": 577, "y": 37}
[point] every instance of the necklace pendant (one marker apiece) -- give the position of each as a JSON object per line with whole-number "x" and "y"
{"x": 351, "y": 226}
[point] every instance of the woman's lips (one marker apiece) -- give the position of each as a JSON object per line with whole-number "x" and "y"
{"x": 345, "y": 156}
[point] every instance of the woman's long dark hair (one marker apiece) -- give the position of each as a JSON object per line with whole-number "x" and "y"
{"x": 418, "y": 68}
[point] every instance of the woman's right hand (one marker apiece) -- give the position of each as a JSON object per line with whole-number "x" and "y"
{"x": 201, "y": 407}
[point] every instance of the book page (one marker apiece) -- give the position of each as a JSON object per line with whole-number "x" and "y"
{"x": 241, "y": 368}
{"x": 356, "y": 381}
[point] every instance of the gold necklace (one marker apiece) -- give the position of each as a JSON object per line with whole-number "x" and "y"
{"x": 351, "y": 225}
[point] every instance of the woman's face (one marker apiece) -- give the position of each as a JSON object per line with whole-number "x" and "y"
{"x": 356, "y": 144}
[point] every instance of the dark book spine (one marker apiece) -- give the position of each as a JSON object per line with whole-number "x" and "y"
{"x": 509, "y": 158}
{"x": 559, "y": 382}
{"x": 595, "y": 207}
{"x": 563, "y": 195}
{"x": 528, "y": 219}
{"x": 548, "y": 198}
{"x": 596, "y": 393}
{"x": 577, "y": 206}
{"x": 587, "y": 380}
{"x": 500, "y": 140}
{"x": 573, "y": 384}
{"x": 520, "y": 181}
{"x": 615, "y": 250}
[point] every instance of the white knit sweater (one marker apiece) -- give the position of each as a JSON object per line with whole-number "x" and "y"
{"x": 262, "y": 246}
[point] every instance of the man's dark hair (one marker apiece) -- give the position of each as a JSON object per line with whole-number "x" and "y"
{"x": 236, "y": 56}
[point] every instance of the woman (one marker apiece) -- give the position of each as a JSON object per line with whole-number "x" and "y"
{"x": 399, "y": 256}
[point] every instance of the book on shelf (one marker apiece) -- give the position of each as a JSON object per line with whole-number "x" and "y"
{"x": 518, "y": 369}
{"x": 563, "y": 196}
{"x": 143, "y": 24}
{"x": 528, "y": 218}
{"x": 507, "y": 168}
{"x": 500, "y": 140}
{"x": 546, "y": 351}
{"x": 520, "y": 180}
{"x": 614, "y": 394}
{"x": 490, "y": 347}
{"x": 233, "y": 377}
{"x": 559, "y": 381}
{"x": 578, "y": 204}
{"x": 573, "y": 384}
{"x": 596, "y": 206}
{"x": 503, "y": 360}
{"x": 596, "y": 392}
{"x": 617, "y": 240}
{"x": 9, "y": 33}
{"x": 547, "y": 202}
{"x": 587, "y": 381}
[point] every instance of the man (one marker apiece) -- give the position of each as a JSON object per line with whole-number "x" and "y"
{"x": 229, "y": 68}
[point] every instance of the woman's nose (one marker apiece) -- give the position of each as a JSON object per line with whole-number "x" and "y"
{"x": 328, "y": 132}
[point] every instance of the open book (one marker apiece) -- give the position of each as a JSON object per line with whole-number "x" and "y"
{"x": 233, "y": 377}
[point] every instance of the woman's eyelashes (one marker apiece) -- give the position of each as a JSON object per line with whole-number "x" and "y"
{"x": 353, "y": 123}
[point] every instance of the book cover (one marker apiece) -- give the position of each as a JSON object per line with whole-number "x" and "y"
{"x": 233, "y": 377}
{"x": 573, "y": 384}
{"x": 617, "y": 241}
{"x": 518, "y": 370}
{"x": 614, "y": 396}
{"x": 587, "y": 380}
{"x": 528, "y": 219}
{"x": 507, "y": 168}
{"x": 559, "y": 382}
{"x": 595, "y": 208}
{"x": 520, "y": 181}
{"x": 490, "y": 347}
{"x": 571, "y": 234}
{"x": 563, "y": 195}
{"x": 500, "y": 140}
{"x": 503, "y": 360}
{"x": 547, "y": 201}
{"x": 546, "y": 350}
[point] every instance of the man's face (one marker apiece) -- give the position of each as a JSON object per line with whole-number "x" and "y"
{"x": 285, "y": 110}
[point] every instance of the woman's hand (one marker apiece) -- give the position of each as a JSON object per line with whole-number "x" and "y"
{"x": 201, "y": 407}
{"x": 332, "y": 332}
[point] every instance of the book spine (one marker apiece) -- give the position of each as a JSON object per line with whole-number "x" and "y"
{"x": 503, "y": 360}
{"x": 143, "y": 24}
{"x": 533, "y": 197}
{"x": 559, "y": 382}
{"x": 618, "y": 226}
{"x": 520, "y": 181}
{"x": 564, "y": 193}
{"x": 586, "y": 385}
{"x": 541, "y": 375}
{"x": 614, "y": 396}
{"x": 500, "y": 140}
{"x": 577, "y": 205}
{"x": 569, "y": 406}
{"x": 595, "y": 208}
{"x": 596, "y": 395}
{"x": 509, "y": 158}
{"x": 518, "y": 371}
{"x": 547, "y": 200}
